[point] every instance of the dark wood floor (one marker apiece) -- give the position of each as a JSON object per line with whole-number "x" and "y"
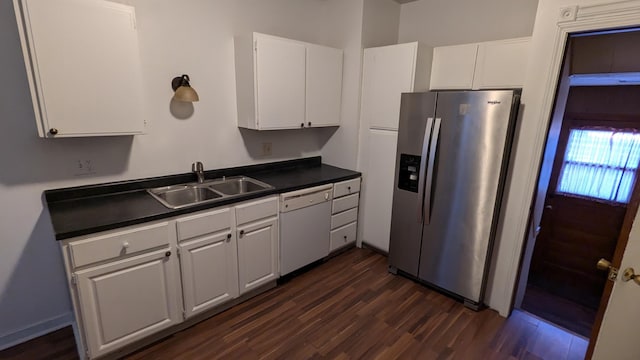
{"x": 351, "y": 308}
{"x": 558, "y": 310}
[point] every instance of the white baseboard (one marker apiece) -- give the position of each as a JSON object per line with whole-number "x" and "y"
{"x": 35, "y": 330}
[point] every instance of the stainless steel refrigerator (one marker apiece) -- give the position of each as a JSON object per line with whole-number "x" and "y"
{"x": 452, "y": 156}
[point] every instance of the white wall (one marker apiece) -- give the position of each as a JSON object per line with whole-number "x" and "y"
{"x": 342, "y": 148}
{"x": 438, "y": 23}
{"x": 193, "y": 37}
{"x": 381, "y": 23}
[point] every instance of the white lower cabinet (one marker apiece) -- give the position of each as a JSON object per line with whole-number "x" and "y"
{"x": 127, "y": 284}
{"x": 127, "y": 300}
{"x": 209, "y": 272}
{"x": 258, "y": 242}
{"x": 344, "y": 210}
{"x": 258, "y": 254}
{"x": 208, "y": 259}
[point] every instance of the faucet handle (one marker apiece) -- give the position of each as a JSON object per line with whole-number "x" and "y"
{"x": 197, "y": 166}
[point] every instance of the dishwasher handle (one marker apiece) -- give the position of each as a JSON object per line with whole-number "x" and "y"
{"x": 307, "y": 197}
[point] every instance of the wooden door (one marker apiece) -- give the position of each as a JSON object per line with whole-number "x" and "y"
{"x": 258, "y": 254}
{"x": 575, "y": 233}
{"x": 209, "y": 271}
{"x": 280, "y": 82}
{"x": 324, "y": 86}
{"x": 127, "y": 300}
{"x": 577, "y": 230}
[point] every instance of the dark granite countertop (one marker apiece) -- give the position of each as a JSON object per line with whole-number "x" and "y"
{"x": 89, "y": 209}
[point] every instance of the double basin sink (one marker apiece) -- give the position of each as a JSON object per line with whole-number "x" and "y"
{"x": 183, "y": 195}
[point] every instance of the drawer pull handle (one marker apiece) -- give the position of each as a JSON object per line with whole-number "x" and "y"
{"x": 228, "y": 236}
{"x": 241, "y": 232}
{"x": 349, "y": 188}
{"x": 345, "y": 238}
{"x": 167, "y": 254}
{"x": 125, "y": 244}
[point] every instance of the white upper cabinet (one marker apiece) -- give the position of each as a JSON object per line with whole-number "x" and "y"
{"x": 501, "y": 64}
{"x": 286, "y": 84}
{"x": 453, "y": 66}
{"x": 83, "y": 67}
{"x": 280, "y": 83}
{"x": 388, "y": 71}
{"x": 324, "y": 85}
{"x": 488, "y": 65}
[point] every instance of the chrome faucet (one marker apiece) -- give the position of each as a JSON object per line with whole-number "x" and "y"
{"x": 198, "y": 168}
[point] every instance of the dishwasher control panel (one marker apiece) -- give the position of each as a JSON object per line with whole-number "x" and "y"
{"x": 306, "y": 197}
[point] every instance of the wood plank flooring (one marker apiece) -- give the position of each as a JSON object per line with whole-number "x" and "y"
{"x": 351, "y": 308}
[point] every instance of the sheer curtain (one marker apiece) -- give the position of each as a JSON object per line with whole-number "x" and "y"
{"x": 600, "y": 164}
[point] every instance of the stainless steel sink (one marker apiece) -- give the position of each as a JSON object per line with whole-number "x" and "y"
{"x": 183, "y": 195}
{"x": 239, "y": 185}
{"x": 179, "y": 196}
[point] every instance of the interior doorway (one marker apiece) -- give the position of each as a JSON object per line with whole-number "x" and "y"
{"x": 587, "y": 178}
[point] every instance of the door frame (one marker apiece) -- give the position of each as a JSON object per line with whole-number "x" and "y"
{"x": 555, "y": 21}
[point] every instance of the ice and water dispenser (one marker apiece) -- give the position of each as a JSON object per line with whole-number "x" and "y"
{"x": 409, "y": 171}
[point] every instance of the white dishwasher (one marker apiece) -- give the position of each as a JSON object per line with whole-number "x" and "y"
{"x": 305, "y": 226}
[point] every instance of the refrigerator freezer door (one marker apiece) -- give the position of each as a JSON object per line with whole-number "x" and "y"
{"x": 416, "y": 124}
{"x": 471, "y": 159}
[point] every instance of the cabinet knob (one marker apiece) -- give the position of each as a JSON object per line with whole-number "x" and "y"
{"x": 345, "y": 238}
{"x": 53, "y": 131}
{"x": 349, "y": 188}
{"x": 167, "y": 254}
{"x": 228, "y": 236}
{"x": 309, "y": 123}
{"x": 241, "y": 232}
{"x": 125, "y": 244}
{"x": 301, "y": 125}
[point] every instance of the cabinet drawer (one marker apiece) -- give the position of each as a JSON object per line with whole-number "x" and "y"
{"x": 343, "y": 236}
{"x": 206, "y": 223}
{"x": 345, "y": 203}
{"x": 344, "y": 218}
{"x": 256, "y": 210}
{"x": 105, "y": 247}
{"x": 346, "y": 187}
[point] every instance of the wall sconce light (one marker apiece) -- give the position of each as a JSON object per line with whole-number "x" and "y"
{"x": 183, "y": 90}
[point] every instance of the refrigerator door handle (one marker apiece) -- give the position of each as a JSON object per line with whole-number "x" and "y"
{"x": 428, "y": 130}
{"x": 435, "y": 135}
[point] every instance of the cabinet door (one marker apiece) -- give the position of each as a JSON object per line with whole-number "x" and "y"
{"x": 378, "y": 188}
{"x": 257, "y": 254}
{"x": 126, "y": 300}
{"x": 501, "y": 64}
{"x": 83, "y": 65}
{"x": 209, "y": 271}
{"x": 324, "y": 85}
{"x": 388, "y": 71}
{"x": 280, "y": 82}
{"x": 453, "y": 67}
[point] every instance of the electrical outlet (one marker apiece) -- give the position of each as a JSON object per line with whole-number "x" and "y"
{"x": 84, "y": 167}
{"x": 266, "y": 149}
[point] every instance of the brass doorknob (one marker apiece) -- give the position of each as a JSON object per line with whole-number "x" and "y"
{"x": 603, "y": 264}
{"x": 629, "y": 274}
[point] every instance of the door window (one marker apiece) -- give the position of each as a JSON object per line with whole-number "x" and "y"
{"x": 600, "y": 164}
